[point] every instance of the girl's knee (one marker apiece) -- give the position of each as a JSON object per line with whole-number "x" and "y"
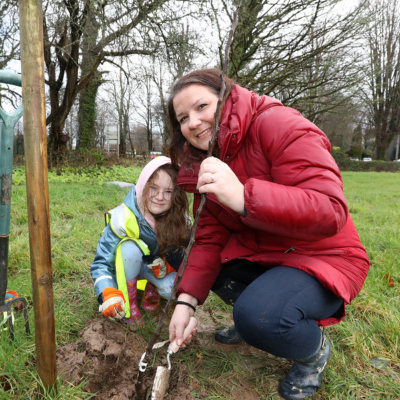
{"x": 131, "y": 259}
{"x": 165, "y": 285}
{"x": 131, "y": 250}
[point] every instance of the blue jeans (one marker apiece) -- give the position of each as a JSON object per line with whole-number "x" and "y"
{"x": 135, "y": 267}
{"x": 275, "y": 310}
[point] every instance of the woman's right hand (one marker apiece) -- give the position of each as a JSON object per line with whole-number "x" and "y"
{"x": 180, "y": 320}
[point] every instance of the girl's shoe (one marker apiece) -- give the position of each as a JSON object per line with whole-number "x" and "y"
{"x": 151, "y": 297}
{"x": 135, "y": 317}
{"x": 305, "y": 376}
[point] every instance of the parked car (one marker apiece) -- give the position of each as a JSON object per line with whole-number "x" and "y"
{"x": 396, "y": 160}
{"x": 367, "y": 159}
{"x": 354, "y": 159}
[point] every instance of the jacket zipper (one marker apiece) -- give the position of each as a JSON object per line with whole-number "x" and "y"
{"x": 317, "y": 252}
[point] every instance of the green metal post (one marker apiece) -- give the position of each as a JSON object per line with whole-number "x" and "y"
{"x": 6, "y": 161}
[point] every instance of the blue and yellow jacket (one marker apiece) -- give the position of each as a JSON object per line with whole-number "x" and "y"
{"x": 124, "y": 222}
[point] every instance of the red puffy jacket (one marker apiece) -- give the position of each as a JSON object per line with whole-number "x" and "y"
{"x": 296, "y": 210}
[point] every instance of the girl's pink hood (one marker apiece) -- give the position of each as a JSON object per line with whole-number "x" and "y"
{"x": 147, "y": 171}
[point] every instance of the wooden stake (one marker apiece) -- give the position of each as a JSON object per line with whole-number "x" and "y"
{"x": 33, "y": 98}
{"x": 140, "y": 386}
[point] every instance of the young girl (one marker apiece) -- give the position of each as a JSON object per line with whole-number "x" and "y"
{"x": 143, "y": 239}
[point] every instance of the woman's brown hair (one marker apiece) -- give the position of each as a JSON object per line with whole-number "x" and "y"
{"x": 207, "y": 77}
{"x": 172, "y": 225}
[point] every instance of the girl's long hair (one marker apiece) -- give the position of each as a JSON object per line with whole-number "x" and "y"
{"x": 172, "y": 225}
{"x": 206, "y": 77}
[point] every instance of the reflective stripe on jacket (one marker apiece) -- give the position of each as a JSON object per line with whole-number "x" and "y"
{"x": 120, "y": 271}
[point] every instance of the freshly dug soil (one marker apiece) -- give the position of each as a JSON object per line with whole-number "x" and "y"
{"x": 107, "y": 356}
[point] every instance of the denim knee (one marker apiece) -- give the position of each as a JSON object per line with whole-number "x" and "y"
{"x": 165, "y": 285}
{"x": 132, "y": 259}
{"x": 256, "y": 329}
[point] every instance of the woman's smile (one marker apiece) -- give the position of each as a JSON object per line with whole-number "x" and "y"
{"x": 202, "y": 134}
{"x": 195, "y": 107}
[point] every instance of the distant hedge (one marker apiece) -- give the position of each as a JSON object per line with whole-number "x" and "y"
{"x": 345, "y": 164}
{"x": 378, "y": 166}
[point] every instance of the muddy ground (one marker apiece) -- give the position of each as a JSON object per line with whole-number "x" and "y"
{"x": 107, "y": 357}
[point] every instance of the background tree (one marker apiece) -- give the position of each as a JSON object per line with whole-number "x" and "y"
{"x": 146, "y": 109}
{"x": 120, "y": 90}
{"x": 178, "y": 56}
{"x": 115, "y": 29}
{"x": 87, "y": 114}
{"x": 339, "y": 124}
{"x": 383, "y": 96}
{"x": 9, "y": 43}
{"x": 356, "y": 149}
{"x": 138, "y": 137}
{"x": 72, "y": 126}
{"x": 9, "y": 47}
{"x": 103, "y": 118}
{"x": 301, "y": 52}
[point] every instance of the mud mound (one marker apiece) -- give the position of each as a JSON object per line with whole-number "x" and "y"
{"x": 107, "y": 357}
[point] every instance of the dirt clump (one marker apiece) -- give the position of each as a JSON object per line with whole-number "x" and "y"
{"x": 107, "y": 357}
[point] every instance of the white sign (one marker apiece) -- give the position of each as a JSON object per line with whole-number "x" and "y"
{"x": 113, "y": 137}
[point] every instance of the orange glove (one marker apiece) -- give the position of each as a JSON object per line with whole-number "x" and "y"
{"x": 113, "y": 306}
{"x": 160, "y": 267}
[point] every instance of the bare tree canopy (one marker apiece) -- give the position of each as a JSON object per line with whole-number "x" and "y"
{"x": 9, "y": 45}
{"x": 329, "y": 64}
{"x": 301, "y": 52}
{"x": 383, "y": 97}
{"x": 80, "y": 35}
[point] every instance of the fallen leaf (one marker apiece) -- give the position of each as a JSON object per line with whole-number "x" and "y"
{"x": 379, "y": 363}
{"x": 389, "y": 279}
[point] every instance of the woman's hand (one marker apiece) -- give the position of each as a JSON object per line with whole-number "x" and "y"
{"x": 216, "y": 177}
{"x": 180, "y": 320}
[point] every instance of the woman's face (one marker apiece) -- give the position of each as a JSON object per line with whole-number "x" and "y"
{"x": 194, "y": 107}
{"x": 160, "y": 193}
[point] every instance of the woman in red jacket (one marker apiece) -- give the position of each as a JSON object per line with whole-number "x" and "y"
{"x": 275, "y": 238}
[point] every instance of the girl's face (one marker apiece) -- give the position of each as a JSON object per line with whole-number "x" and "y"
{"x": 194, "y": 107}
{"x": 160, "y": 193}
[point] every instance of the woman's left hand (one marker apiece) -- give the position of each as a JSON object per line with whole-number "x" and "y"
{"x": 216, "y": 177}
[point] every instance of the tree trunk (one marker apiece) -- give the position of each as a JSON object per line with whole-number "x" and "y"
{"x": 58, "y": 139}
{"x": 383, "y": 139}
{"x": 87, "y": 115}
{"x": 87, "y": 102}
{"x": 122, "y": 116}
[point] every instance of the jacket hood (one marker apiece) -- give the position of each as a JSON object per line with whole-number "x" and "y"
{"x": 147, "y": 171}
{"x": 241, "y": 109}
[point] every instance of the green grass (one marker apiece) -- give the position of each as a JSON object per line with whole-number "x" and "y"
{"x": 371, "y": 328}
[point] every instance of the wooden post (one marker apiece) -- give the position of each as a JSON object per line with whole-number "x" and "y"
{"x": 33, "y": 98}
